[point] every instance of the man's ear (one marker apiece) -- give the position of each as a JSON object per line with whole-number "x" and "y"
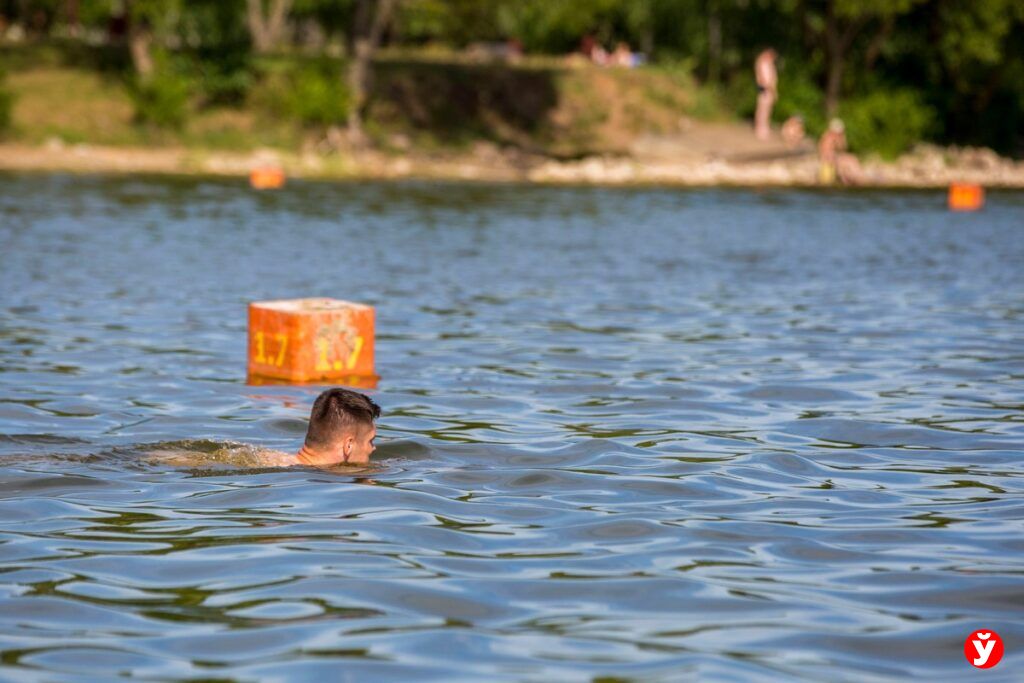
{"x": 347, "y": 445}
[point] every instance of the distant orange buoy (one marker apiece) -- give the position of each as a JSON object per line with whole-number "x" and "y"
{"x": 966, "y": 197}
{"x": 267, "y": 178}
{"x": 300, "y": 340}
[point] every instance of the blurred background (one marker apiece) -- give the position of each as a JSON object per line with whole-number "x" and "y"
{"x": 629, "y": 433}
{"x": 558, "y": 78}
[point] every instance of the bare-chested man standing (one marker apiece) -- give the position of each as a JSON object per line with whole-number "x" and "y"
{"x": 767, "y": 92}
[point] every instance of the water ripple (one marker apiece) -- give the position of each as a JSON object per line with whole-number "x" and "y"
{"x": 630, "y": 434}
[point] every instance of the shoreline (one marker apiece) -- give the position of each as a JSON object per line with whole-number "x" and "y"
{"x": 925, "y": 168}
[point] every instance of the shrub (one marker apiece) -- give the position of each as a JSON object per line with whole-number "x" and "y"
{"x": 223, "y": 84}
{"x": 799, "y": 95}
{"x": 161, "y": 101}
{"x": 6, "y": 105}
{"x": 318, "y": 96}
{"x": 887, "y": 121}
{"x": 223, "y": 74}
{"x": 739, "y": 95}
{"x": 312, "y": 94}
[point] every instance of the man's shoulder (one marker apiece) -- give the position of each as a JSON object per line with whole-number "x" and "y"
{"x": 270, "y": 458}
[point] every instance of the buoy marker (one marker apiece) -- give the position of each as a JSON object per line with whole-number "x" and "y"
{"x": 302, "y": 340}
{"x": 966, "y": 197}
{"x": 267, "y": 178}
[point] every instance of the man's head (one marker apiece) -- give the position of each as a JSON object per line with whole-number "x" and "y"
{"x": 341, "y": 426}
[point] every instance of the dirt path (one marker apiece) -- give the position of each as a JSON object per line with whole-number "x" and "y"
{"x": 705, "y": 155}
{"x": 700, "y": 141}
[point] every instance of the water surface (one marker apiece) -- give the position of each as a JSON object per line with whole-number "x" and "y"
{"x": 642, "y": 434}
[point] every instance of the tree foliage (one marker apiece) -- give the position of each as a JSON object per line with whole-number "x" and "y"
{"x": 959, "y": 62}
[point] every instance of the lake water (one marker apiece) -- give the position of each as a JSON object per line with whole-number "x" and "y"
{"x": 632, "y": 434}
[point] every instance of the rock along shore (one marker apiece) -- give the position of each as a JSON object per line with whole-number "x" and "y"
{"x": 926, "y": 167}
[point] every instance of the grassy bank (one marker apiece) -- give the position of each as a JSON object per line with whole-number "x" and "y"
{"x": 444, "y": 116}
{"x": 545, "y": 107}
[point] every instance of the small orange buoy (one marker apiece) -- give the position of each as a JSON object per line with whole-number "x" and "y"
{"x": 267, "y": 178}
{"x": 966, "y": 197}
{"x": 300, "y": 340}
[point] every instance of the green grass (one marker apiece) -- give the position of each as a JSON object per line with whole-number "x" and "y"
{"x": 83, "y": 106}
{"x": 437, "y": 105}
{"x": 74, "y": 105}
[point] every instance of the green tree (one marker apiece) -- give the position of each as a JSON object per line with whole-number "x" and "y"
{"x": 371, "y": 20}
{"x": 149, "y": 20}
{"x": 838, "y": 25}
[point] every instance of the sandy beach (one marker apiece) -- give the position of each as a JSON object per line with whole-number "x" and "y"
{"x": 925, "y": 167}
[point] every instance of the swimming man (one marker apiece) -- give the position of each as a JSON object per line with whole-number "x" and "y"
{"x": 341, "y": 431}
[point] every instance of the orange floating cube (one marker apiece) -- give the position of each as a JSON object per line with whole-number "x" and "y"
{"x": 301, "y": 340}
{"x": 966, "y": 197}
{"x": 267, "y": 178}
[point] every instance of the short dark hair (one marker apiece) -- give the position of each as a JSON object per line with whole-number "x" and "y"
{"x": 337, "y": 410}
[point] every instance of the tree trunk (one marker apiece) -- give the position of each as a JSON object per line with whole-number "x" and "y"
{"x": 257, "y": 25}
{"x": 71, "y": 16}
{"x": 140, "y": 44}
{"x": 808, "y": 36}
{"x": 267, "y": 31}
{"x": 833, "y": 83}
{"x": 647, "y": 33}
{"x": 833, "y": 60}
{"x": 838, "y": 40}
{"x": 377, "y": 13}
{"x": 714, "y": 42}
{"x": 874, "y": 50}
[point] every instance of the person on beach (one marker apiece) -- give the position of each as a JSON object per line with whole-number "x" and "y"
{"x": 767, "y": 92}
{"x": 622, "y": 56}
{"x": 834, "y": 162}
{"x": 831, "y": 143}
{"x": 793, "y": 131}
